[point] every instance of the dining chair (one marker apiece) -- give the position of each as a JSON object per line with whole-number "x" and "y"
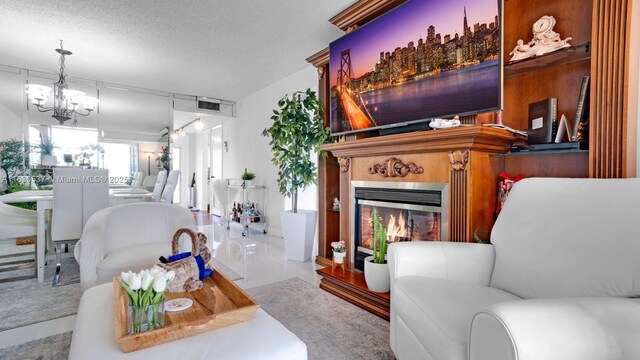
{"x": 220, "y": 192}
{"x": 159, "y": 185}
{"x": 149, "y": 182}
{"x": 77, "y": 194}
{"x": 137, "y": 180}
{"x": 170, "y": 187}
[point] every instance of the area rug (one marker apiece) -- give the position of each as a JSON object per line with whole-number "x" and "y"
{"x": 50, "y": 348}
{"x": 28, "y": 302}
{"x": 331, "y": 327}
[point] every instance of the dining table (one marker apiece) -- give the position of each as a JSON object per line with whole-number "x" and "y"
{"x": 44, "y": 202}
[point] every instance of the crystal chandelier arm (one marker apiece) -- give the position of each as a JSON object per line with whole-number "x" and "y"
{"x": 44, "y": 109}
{"x": 79, "y": 113}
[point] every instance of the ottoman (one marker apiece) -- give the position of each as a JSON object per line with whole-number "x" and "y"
{"x": 262, "y": 337}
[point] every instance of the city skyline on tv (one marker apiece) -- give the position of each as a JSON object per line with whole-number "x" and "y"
{"x": 408, "y": 23}
{"x": 384, "y": 74}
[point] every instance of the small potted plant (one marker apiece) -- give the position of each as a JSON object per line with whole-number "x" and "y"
{"x": 376, "y": 270}
{"x": 247, "y": 177}
{"x": 339, "y": 251}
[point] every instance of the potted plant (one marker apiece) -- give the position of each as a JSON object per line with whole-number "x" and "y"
{"x": 14, "y": 158}
{"x": 247, "y": 177}
{"x": 339, "y": 251}
{"x": 297, "y": 131}
{"x": 164, "y": 158}
{"x": 46, "y": 153}
{"x": 376, "y": 270}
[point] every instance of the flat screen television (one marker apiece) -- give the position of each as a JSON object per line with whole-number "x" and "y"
{"x": 424, "y": 59}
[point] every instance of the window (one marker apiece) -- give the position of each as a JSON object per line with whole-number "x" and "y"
{"x": 76, "y": 146}
{"x": 120, "y": 159}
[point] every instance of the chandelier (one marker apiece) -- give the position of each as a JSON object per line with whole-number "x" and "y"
{"x": 66, "y": 102}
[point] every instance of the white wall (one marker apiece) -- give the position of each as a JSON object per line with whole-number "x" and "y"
{"x": 249, "y": 149}
{"x": 143, "y": 159}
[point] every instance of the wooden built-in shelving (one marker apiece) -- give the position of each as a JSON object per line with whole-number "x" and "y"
{"x": 601, "y": 29}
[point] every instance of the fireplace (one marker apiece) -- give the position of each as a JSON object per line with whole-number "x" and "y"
{"x": 409, "y": 211}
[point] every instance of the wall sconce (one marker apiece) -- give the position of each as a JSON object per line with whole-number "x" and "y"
{"x": 226, "y": 146}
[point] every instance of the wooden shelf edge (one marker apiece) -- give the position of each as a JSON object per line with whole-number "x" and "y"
{"x": 473, "y": 137}
{"x": 339, "y": 291}
{"x": 563, "y": 56}
{"x": 362, "y": 12}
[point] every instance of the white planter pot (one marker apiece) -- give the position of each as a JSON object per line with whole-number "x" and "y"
{"x": 338, "y": 257}
{"x": 298, "y": 230}
{"x": 376, "y": 275}
{"x": 248, "y": 183}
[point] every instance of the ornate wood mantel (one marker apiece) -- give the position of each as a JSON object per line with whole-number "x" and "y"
{"x": 459, "y": 157}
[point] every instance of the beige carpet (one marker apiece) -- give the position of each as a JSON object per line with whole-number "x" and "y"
{"x": 331, "y": 327}
{"x": 28, "y": 302}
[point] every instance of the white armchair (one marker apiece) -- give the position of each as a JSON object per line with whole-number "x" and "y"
{"x": 128, "y": 237}
{"x": 561, "y": 280}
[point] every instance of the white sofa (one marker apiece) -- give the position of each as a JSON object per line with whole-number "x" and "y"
{"x": 128, "y": 237}
{"x": 561, "y": 280}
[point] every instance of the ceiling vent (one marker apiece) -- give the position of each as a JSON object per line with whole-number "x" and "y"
{"x": 208, "y": 104}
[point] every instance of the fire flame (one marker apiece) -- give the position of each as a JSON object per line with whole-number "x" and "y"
{"x": 399, "y": 230}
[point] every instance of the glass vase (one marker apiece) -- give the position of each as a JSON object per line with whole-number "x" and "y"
{"x": 145, "y": 318}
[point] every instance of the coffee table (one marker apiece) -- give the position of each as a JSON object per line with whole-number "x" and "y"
{"x": 262, "y": 337}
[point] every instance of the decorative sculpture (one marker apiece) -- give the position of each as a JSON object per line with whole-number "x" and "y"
{"x": 393, "y": 167}
{"x": 544, "y": 41}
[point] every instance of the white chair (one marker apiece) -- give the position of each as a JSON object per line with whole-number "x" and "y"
{"x": 220, "y": 191}
{"x": 128, "y": 237}
{"x": 77, "y": 194}
{"x": 170, "y": 187}
{"x": 149, "y": 182}
{"x": 159, "y": 185}
{"x": 561, "y": 280}
{"x": 138, "y": 178}
{"x": 14, "y": 223}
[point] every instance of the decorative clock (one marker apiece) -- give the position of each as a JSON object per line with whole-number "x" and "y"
{"x": 544, "y": 41}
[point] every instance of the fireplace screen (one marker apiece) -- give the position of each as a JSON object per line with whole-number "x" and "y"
{"x": 403, "y": 222}
{"x": 407, "y": 214}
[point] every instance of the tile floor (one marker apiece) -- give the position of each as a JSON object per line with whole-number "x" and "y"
{"x": 259, "y": 258}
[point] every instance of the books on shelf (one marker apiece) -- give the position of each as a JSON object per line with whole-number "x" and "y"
{"x": 511, "y": 130}
{"x": 582, "y": 113}
{"x": 543, "y": 121}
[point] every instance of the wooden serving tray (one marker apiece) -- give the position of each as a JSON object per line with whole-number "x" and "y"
{"x": 218, "y": 304}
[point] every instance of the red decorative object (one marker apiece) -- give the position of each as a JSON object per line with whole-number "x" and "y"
{"x": 504, "y": 186}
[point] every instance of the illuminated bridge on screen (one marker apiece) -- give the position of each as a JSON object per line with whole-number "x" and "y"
{"x": 350, "y": 104}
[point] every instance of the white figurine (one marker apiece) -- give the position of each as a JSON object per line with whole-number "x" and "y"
{"x": 544, "y": 41}
{"x": 336, "y": 203}
{"x": 444, "y": 123}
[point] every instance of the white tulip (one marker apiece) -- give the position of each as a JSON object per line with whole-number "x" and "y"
{"x": 126, "y": 277}
{"x": 156, "y": 270}
{"x": 136, "y": 282}
{"x": 147, "y": 279}
{"x": 160, "y": 284}
{"x": 170, "y": 275}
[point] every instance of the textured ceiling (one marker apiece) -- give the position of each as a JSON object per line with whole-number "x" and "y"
{"x": 222, "y": 49}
